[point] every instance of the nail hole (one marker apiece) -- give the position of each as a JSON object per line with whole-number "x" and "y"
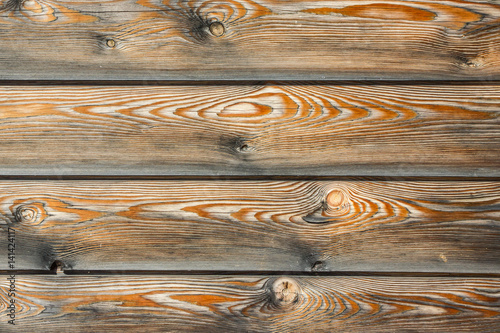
{"x": 217, "y": 29}
{"x": 244, "y": 148}
{"x": 110, "y": 43}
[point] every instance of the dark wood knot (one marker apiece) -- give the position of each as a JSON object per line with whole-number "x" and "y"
{"x": 32, "y": 213}
{"x": 27, "y": 214}
{"x": 244, "y": 148}
{"x": 57, "y": 267}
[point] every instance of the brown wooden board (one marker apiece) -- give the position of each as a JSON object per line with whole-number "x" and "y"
{"x": 262, "y": 39}
{"x": 270, "y": 129}
{"x": 251, "y": 304}
{"x": 299, "y": 226}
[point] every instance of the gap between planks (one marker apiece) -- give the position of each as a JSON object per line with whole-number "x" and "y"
{"x": 230, "y": 178}
{"x": 247, "y": 273}
{"x": 208, "y": 82}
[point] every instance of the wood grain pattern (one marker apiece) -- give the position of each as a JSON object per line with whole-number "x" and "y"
{"x": 252, "y": 304}
{"x": 258, "y": 39}
{"x": 271, "y": 129}
{"x": 253, "y": 225}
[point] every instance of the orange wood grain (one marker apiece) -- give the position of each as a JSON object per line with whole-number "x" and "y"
{"x": 261, "y": 39}
{"x": 304, "y": 226}
{"x": 265, "y": 129}
{"x": 252, "y": 303}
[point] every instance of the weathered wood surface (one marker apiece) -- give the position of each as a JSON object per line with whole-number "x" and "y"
{"x": 252, "y": 304}
{"x": 272, "y": 129}
{"x": 253, "y": 225}
{"x": 261, "y": 39}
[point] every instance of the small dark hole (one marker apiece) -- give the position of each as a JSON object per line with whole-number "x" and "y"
{"x": 57, "y": 267}
{"x": 244, "y": 148}
{"x": 317, "y": 266}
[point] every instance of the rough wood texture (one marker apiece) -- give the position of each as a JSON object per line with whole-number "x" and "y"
{"x": 254, "y": 226}
{"x": 252, "y": 304}
{"x": 262, "y": 39}
{"x": 301, "y": 129}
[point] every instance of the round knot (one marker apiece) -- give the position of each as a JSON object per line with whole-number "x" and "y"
{"x": 285, "y": 292}
{"x": 336, "y": 203}
{"x": 217, "y": 29}
{"x": 335, "y": 199}
{"x": 26, "y": 214}
{"x": 33, "y": 213}
{"x": 110, "y": 43}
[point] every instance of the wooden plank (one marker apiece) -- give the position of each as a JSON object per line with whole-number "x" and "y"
{"x": 272, "y": 129}
{"x": 253, "y": 225}
{"x": 252, "y": 304}
{"x": 247, "y": 39}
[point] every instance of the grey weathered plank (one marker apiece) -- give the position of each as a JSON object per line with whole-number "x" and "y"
{"x": 262, "y": 39}
{"x": 252, "y": 304}
{"x": 272, "y": 129}
{"x": 391, "y": 226}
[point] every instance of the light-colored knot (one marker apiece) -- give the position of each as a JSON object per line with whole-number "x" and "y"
{"x": 111, "y": 43}
{"x": 217, "y": 29}
{"x": 285, "y": 292}
{"x": 336, "y": 203}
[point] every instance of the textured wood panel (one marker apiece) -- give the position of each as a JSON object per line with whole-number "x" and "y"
{"x": 262, "y": 39}
{"x": 252, "y": 304}
{"x": 300, "y": 129}
{"x": 253, "y": 226}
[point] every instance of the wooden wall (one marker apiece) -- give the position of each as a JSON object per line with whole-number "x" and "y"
{"x": 249, "y": 166}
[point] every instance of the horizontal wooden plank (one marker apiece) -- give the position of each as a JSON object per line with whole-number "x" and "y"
{"x": 272, "y": 129}
{"x": 249, "y": 39}
{"x": 252, "y": 226}
{"x": 251, "y": 304}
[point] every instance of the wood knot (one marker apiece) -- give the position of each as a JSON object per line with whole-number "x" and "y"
{"x": 317, "y": 266}
{"x": 284, "y": 292}
{"x": 217, "y": 29}
{"x": 336, "y": 203}
{"x": 470, "y": 62}
{"x": 57, "y": 267}
{"x": 241, "y": 145}
{"x": 111, "y": 43}
{"x": 474, "y": 63}
{"x": 244, "y": 148}
{"x": 335, "y": 199}
{"x": 334, "y": 206}
{"x": 32, "y": 213}
{"x": 26, "y": 214}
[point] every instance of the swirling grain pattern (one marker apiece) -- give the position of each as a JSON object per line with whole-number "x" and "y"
{"x": 253, "y": 304}
{"x": 254, "y": 225}
{"x": 270, "y": 129}
{"x": 256, "y": 39}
